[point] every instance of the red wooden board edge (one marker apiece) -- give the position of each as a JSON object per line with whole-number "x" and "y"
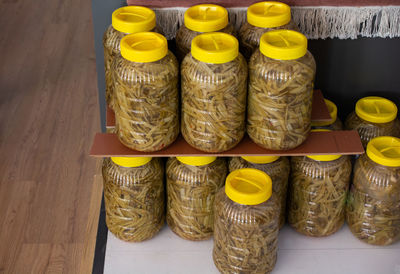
{"x": 110, "y": 117}
{"x": 245, "y": 3}
{"x": 319, "y": 111}
{"x": 318, "y": 143}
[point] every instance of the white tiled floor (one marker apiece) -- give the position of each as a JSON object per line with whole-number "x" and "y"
{"x": 340, "y": 253}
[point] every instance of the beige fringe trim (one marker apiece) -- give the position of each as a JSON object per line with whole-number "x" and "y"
{"x": 314, "y": 22}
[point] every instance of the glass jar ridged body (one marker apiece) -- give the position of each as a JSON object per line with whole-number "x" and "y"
{"x": 369, "y": 130}
{"x": 111, "y": 43}
{"x": 278, "y": 171}
{"x": 213, "y": 103}
{"x": 184, "y": 37}
{"x": 191, "y": 192}
{"x": 317, "y": 195}
{"x": 373, "y": 208}
{"x": 134, "y": 199}
{"x": 245, "y": 237}
{"x": 146, "y": 107}
{"x": 249, "y": 36}
{"x": 280, "y": 100}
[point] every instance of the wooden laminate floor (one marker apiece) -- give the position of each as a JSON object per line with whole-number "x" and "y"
{"x": 49, "y": 196}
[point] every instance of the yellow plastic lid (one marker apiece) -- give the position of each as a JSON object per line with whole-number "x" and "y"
{"x": 260, "y": 159}
{"x": 283, "y": 44}
{"x": 132, "y": 19}
{"x": 206, "y": 18}
{"x": 384, "y": 150}
{"x": 196, "y": 160}
{"x": 215, "y": 47}
{"x": 248, "y": 186}
{"x": 332, "y": 111}
{"x": 144, "y": 47}
{"x": 323, "y": 158}
{"x": 131, "y": 161}
{"x": 269, "y": 14}
{"x": 376, "y": 109}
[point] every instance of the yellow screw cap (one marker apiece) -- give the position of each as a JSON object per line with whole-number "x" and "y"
{"x": 196, "y": 161}
{"x": 332, "y": 111}
{"x": 269, "y": 14}
{"x": 384, "y": 150}
{"x": 260, "y": 159}
{"x": 248, "y": 186}
{"x": 132, "y": 19}
{"x": 323, "y": 158}
{"x": 131, "y": 161}
{"x": 376, "y": 109}
{"x": 206, "y": 18}
{"x": 144, "y": 47}
{"x": 283, "y": 44}
{"x": 215, "y": 47}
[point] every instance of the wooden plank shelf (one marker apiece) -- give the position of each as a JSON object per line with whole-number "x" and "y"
{"x": 318, "y": 143}
{"x": 335, "y": 142}
{"x": 319, "y": 112}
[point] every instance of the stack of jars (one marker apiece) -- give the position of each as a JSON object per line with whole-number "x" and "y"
{"x": 266, "y": 92}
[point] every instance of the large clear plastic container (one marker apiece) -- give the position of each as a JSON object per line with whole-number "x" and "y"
{"x": 278, "y": 168}
{"x": 192, "y": 183}
{"x": 334, "y": 123}
{"x": 373, "y": 207}
{"x": 373, "y": 116}
{"x": 201, "y": 19}
{"x": 318, "y": 189}
{"x": 263, "y": 17}
{"x": 146, "y": 92}
{"x": 246, "y": 223}
{"x": 125, "y": 20}
{"x": 134, "y": 197}
{"x": 280, "y": 91}
{"x": 214, "y": 89}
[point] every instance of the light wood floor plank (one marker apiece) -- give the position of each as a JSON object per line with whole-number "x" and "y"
{"x": 49, "y": 201}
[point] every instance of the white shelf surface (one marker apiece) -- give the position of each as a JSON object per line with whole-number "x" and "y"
{"x": 339, "y": 253}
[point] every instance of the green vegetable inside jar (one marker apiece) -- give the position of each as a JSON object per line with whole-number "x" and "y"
{"x": 246, "y": 223}
{"x": 373, "y": 208}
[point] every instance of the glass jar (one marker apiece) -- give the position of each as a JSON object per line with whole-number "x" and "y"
{"x": 192, "y": 183}
{"x": 201, "y": 19}
{"x": 214, "y": 89}
{"x": 146, "y": 92}
{"x": 278, "y": 168}
{"x": 246, "y": 223}
{"x": 317, "y": 193}
{"x": 263, "y": 17}
{"x": 374, "y": 116}
{"x": 334, "y": 123}
{"x": 125, "y": 20}
{"x": 373, "y": 207}
{"x": 280, "y": 91}
{"x": 134, "y": 197}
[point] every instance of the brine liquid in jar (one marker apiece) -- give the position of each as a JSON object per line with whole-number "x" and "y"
{"x": 192, "y": 183}
{"x": 214, "y": 90}
{"x": 146, "y": 92}
{"x": 373, "y": 207}
{"x": 318, "y": 190}
{"x": 134, "y": 197}
{"x": 125, "y": 20}
{"x": 281, "y": 75}
{"x": 246, "y": 223}
{"x": 278, "y": 168}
